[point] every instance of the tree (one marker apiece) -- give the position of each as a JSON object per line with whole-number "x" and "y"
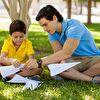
{"x": 94, "y": 3}
{"x": 18, "y": 9}
{"x": 69, "y": 8}
{"x": 89, "y": 12}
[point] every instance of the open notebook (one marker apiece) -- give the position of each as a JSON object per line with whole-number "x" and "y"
{"x": 8, "y": 70}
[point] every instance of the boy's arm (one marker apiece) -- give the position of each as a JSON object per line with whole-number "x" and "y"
{"x": 31, "y": 56}
{"x": 6, "y": 61}
{"x": 3, "y": 59}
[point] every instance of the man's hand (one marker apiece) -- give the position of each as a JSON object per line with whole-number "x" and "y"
{"x": 31, "y": 63}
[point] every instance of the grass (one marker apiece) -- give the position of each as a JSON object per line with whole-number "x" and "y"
{"x": 50, "y": 89}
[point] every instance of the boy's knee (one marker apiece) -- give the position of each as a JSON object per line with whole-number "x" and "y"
{"x": 37, "y": 70}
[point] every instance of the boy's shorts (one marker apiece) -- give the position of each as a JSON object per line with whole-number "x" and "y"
{"x": 86, "y": 62}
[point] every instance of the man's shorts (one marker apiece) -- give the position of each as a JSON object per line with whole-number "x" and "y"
{"x": 86, "y": 62}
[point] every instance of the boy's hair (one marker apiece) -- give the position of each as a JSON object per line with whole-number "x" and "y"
{"x": 17, "y": 26}
{"x": 48, "y": 12}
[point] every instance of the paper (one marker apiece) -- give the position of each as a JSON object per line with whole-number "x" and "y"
{"x": 9, "y": 70}
{"x": 58, "y": 68}
{"x": 30, "y": 84}
{"x": 18, "y": 79}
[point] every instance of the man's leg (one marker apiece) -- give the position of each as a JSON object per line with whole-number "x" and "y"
{"x": 93, "y": 70}
{"x": 75, "y": 75}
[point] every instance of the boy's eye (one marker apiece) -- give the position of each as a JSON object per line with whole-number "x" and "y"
{"x": 21, "y": 36}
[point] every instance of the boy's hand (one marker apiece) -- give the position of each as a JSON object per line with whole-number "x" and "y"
{"x": 63, "y": 61}
{"x": 15, "y": 63}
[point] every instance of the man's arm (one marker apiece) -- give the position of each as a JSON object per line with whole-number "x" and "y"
{"x": 31, "y": 56}
{"x": 66, "y": 52}
{"x": 56, "y": 46}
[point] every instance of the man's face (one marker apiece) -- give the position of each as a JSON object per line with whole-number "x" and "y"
{"x": 48, "y": 26}
{"x": 18, "y": 38}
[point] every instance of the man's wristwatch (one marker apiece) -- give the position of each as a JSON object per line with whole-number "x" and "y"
{"x": 39, "y": 62}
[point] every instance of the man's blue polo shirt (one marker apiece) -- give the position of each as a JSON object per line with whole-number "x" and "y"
{"x": 72, "y": 28}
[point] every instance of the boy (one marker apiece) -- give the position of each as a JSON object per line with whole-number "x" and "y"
{"x": 17, "y": 49}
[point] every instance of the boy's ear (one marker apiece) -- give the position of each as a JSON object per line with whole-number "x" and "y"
{"x": 55, "y": 18}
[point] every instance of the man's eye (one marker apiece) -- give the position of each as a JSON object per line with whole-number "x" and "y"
{"x": 45, "y": 24}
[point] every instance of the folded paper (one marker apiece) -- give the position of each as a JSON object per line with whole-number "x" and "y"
{"x": 58, "y": 68}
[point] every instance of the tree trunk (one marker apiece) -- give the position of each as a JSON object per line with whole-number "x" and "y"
{"x": 89, "y": 12}
{"x": 18, "y": 9}
{"x": 69, "y": 8}
{"x": 94, "y": 3}
{"x": 81, "y": 6}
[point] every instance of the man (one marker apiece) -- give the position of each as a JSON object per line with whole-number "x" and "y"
{"x": 71, "y": 41}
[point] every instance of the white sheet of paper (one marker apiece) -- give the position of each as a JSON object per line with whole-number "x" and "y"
{"x": 8, "y": 70}
{"x": 18, "y": 79}
{"x": 31, "y": 84}
{"x": 58, "y": 68}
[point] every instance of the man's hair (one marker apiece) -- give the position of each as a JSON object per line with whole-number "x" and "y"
{"x": 17, "y": 26}
{"x": 48, "y": 12}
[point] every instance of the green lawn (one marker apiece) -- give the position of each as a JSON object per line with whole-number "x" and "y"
{"x": 50, "y": 89}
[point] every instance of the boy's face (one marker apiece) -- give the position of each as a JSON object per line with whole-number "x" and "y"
{"x": 18, "y": 38}
{"x": 48, "y": 26}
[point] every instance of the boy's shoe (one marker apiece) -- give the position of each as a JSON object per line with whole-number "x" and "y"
{"x": 6, "y": 79}
{"x": 57, "y": 77}
{"x": 35, "y": 77}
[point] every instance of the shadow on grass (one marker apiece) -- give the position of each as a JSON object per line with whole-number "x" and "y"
{"x": 61, "y": 90}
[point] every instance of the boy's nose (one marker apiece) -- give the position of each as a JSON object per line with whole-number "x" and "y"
{"x": 45, "y": 29}
{"x": 18, "y": 39}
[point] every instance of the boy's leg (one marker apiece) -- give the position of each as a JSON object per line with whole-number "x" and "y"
{"x": 31, "y": 72}
{"x": 28, "y": 72}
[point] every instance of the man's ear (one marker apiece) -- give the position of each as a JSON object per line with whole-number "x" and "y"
{"x": 55, "y": 18}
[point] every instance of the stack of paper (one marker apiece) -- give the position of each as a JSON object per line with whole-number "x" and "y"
{"x": 9, "y": 70}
